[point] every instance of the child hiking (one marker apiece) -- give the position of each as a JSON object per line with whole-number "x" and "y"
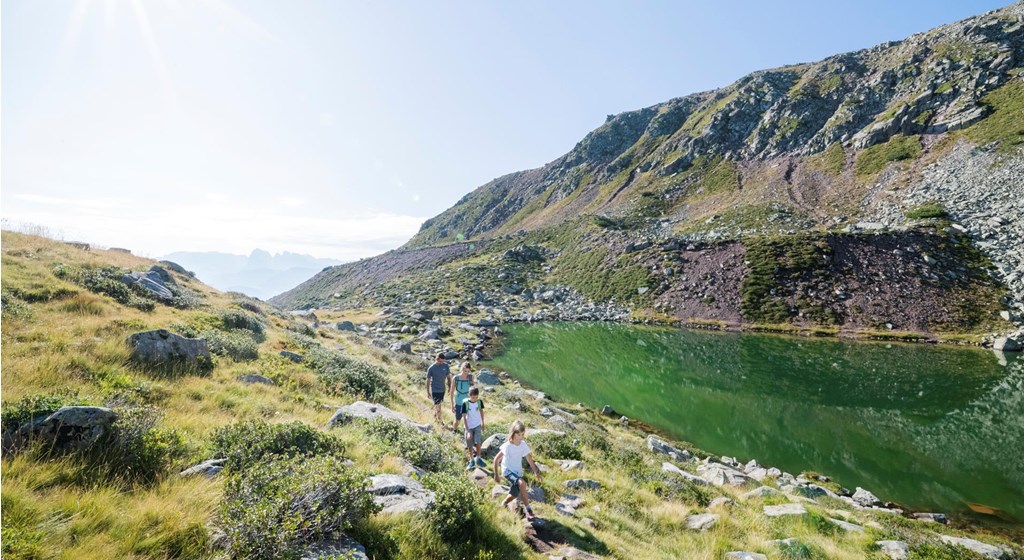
{"x": 460, "y": 391}
{"x": 472, "y": 409}
{"x": 513, "y": 452}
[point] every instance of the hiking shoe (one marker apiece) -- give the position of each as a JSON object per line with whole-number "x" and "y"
{"x": 480, "y": 462}
{"x": 470, "y": 466}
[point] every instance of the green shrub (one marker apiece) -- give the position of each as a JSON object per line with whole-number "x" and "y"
{"x": 931, "y": 209}
{"x": 930, "y": 551}
{"x": 455, "y": 505}
{"x": 341, "y": 374}
{"x": 247, "y": 443}
{"x": 428, "y": 452}
{"x": 821, "y": 524}
{"x": 556, "y": 446}
{"x": 139, "y": 450}
{"x": 232, "y": 319}
{"x": 673, "y": 487}
{"x": 237, "y": 345}
{"x": 13, "y": 307}
{"x": 107, "y": 281}
{"x": 274, "y": 508}
{"x": 801, "y": 551}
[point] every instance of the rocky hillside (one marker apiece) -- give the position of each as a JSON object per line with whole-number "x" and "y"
{"x": 877, "y": 149}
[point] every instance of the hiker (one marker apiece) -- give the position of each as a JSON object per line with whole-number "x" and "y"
{"x": 512, "y": 452}
{"x": 472, "y": 412}
{"x": 460, "y": 391}
{"x": 438, "y": 379}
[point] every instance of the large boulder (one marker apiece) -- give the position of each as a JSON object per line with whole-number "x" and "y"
{"x": 1010, "y": 343}
{"x": 487, "y": 377}
{"x": 209, "y": 468}
{"x": 897, "y": 550}
{"x": 399, "y": 494}
{"x": 691, "y": 478}
{"x": 154, "y": 281}
{"x": 701, "y": 521}
{"x": 347, "y": 326}
{"x": 163, "y": 348}
{"x": 865, "y": 498}
{"x": 489, "y": 448}
{"x": 69, "y": 428}
{"x": 367, "y": 411}
{"x": 784, "y": 509}
{"x": 984, "y": 549}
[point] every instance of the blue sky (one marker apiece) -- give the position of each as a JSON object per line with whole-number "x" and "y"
{"x": 335, "y": 128}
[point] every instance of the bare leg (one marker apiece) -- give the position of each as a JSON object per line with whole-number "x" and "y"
{"x": 523, "y": 488}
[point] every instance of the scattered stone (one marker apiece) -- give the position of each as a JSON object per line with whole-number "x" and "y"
{"x": 367, "y": 411}
{"x": 658, "y": 445}
{"x": 569, "y": 552}
{"x": 932, "y": 517}
{"x": 163, "y": 348}
{"x": 866, "y": 499}
{"x": 251, "y": 378}
{"x": 398, "y": 494}
{"x": 589, "y": 522}
{"x": 847, "y": 526}
{"x": 297, "y": 358}
{"x": 345, "y": 547}
{"x": 981, "y": 548}
{"x": 208, "y": 468}
{"x": 784, "y": 509}
{"x": 402, "y": 347}
{"x": 487, "y": 377}
{"x": 692, "y": 478}
{"x": 743, "y": 555}
{"x": 347, "y": 326}
{"x": 569, "y": 464}
{"x": 721, "y": 502}
{"x": 761, "y": 492}
{"x": 897, "y": 550}
{"x": 701, "y": 522}
{"x": 583, "y": 483}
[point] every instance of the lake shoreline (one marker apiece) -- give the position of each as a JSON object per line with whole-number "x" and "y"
{"x": 1001, "y": 522}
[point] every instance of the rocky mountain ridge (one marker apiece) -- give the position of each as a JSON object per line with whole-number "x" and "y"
{"x": 905, "y": 145}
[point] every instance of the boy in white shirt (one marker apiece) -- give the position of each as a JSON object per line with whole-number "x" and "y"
{"x": 472, "y": 412}
{"x": 513, "y": 451}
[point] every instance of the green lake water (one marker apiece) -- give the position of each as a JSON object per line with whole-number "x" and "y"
{"x": 933, "y": 428}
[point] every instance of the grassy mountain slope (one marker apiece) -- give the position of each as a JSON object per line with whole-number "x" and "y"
{"x": 63, "y": 341}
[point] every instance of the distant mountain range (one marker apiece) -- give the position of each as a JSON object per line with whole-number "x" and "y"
{"x": 260, "y": 274}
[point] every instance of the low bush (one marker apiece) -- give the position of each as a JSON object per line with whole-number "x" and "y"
{"x": 455, "y": 505}
{"x": 556, "y": 446}
{"x": 237, "y": 345}
{"x": 428, "y": 452}
{"x": 248, "y": 443}
{"x": 233, "y": 319}
{"x": 107, "y": 281}
{"x": 931, "y": 209}
{"x": 932, "y": 551}
{"x": 673, "y": 487}
{"x": 138, "y": 449}
{"x": 341, "y": 374}
{"x": 274, "y": 508}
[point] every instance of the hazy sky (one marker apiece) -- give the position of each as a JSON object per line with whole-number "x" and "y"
{"x": 335, "y": 128}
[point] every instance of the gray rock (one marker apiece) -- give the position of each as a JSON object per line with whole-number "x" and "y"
{"x": 607, "y": 410}
{"x": 692, "y": 478}
{"x": 164, "y": 348}
{"x": 761, "y": 492}
{"x": 658, "y": 445}
{"x": 297, "y": 358}
{"x": 487, "y": 322}
{"x": 367, "y": 411}
{"x": 1007, "y": 344}
{"x": 721, "y": 502}
{"x": 583, "y": 483}
{"x": 70, "y": 427}
{"x": 209, "y": 468}
{"x": 743, "y": 555}
{"x": 933, "y": 517}
{"x": 399, "y": 494}
{"x": 984, "y": 549}
{"x": 897, "y": 550}
{"x": 487, "y": 377}
{"x": 489, "y": 448}
{"x": 402, "y": 347}
{"x": 569, "y": 464}
{"x": 701, "y": 522}
{"x": 784, "y": 509}
{"x": 570, "y": 553}
{"x": 847, "y": 526}
{"x": 865, "y": 498}
{"x": 251, "y": 378}
{"x": 345, "y": 547}
{"x": 347, "y": 326}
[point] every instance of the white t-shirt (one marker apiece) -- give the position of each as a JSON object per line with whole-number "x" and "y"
{"x": 514, "y": 455}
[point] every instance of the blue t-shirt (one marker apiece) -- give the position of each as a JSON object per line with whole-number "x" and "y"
{"x": 462, "y": 387}
{"x": 437, "y": 374}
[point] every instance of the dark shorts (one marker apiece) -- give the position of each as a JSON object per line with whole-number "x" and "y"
{"x": 438, "y": 397}
{"x": 513, "y": 482}
{"x": 458, "y": 413}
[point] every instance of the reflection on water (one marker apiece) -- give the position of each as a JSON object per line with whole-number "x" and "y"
{"x": 929, "y": 427}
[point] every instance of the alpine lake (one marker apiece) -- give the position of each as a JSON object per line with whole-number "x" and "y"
{"x": 932, "y": 428}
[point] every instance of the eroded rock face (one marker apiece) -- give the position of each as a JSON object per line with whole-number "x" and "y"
{"x": 399, "y": 494}
{"x": 368, "y": 411}
{"x": 163, "y": 348}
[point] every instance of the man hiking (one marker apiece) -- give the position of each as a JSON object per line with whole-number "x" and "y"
{"x": 438, "y": 379}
